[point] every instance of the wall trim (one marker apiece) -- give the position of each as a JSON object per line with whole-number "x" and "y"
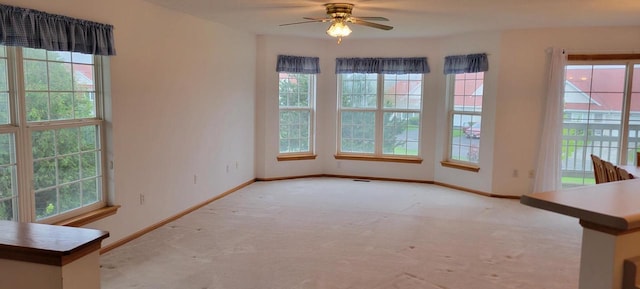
{"x": 491, "y": 195}
{"x": 171, "y": 219}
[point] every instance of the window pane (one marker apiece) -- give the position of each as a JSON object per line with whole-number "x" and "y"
{"x": 31, "y": 53}
{"x": 57, "y": 88}
{"x": 468, "y": 92}
{"x": 403, "y": 91}
{"x": 401, "y": 132}
{"x": 634, "y": 118}
{"x": 5, "y": 116}
{"x": 64, "y": 160}
{"x": 46, "y": 203}
{"x": 294, "y": 90}
{"x": 294, "y": 131}
{"x": 8, "y": 178}
{"x": 35, "y": 76}
{"x": 358, "y": 132}
{"x": 359, "y": 90}
{"x": 465, "y": 127}
{"x": 37, "y": 104}
{"x": 465, "y": 137}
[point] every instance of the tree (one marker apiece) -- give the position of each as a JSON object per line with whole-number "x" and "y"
{"x": 61, "y": 157}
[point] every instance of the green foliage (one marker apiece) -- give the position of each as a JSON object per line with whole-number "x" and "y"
{"x": 65, "y": 161}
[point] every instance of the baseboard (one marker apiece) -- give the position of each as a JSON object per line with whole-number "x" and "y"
{"x": 477, "y": 192}
{"x": 288, "y": 178}
{"x": 171, "y": 219}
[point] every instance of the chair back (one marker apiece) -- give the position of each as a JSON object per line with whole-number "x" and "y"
{"x": 623, "y": 174}
{"x": 611, "y": 171}
{"x": 598, "y": 170}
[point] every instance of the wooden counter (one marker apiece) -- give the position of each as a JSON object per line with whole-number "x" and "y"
{"x": 614, "y": 205}
{"x": 47, "y": 256}
{"x": 610, "y": 216}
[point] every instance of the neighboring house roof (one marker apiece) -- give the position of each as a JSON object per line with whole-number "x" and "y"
{"x": 598, "y": 89}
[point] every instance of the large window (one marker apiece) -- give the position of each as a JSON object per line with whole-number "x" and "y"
{"x": 296, "y": 102}
{"x": 379, "y": 114}
{"x": 601, "y": 116}
{"x": 51, "y": 134}
{"x": 465, "y": 92}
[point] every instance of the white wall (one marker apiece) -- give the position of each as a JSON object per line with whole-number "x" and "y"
{"x": 183, "y": 102}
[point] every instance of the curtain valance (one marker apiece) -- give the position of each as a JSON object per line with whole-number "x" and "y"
{"x": 36, "y": 29}
{"x": 298, "y": 64}
{"x": 382, "y": 65}
{"x": 469, "y": 63}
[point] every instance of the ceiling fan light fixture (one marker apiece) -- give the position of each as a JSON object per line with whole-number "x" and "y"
{"x": 338, "y": 29}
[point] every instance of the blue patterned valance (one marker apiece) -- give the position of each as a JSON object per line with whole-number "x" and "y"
{"x": 36, "y": 29}
{"x": 382, "y": 65}
{"x": 466, "y": 63}
{"x": 298, "y": 64}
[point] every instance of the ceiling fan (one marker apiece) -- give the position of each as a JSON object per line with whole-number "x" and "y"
{"x": 339, "y": 14}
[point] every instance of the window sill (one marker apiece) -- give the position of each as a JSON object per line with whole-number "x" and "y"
{"x": 89, "y": 217}
{"x": 394, "y": 159}
{"x": 460, "y": 166}
{"x": 284, "y": 158}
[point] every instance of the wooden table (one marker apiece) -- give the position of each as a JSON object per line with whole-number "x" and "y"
{"x": 610, "y": 216}
{"x": 46, "y": 256}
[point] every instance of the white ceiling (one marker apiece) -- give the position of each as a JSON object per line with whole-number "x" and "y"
{"x": 412, "y": 18}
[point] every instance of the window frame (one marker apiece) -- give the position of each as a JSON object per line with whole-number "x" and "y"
{"x": 23, "y": 131}
{"x": 450, "y": 161}
{"x": 379, "y": 111}
{"x": 311, "y": 109}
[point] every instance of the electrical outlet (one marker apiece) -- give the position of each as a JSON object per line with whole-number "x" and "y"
{"x": 339, "y": 165}
{"x": 532, "y": 174}
{"x": 141, "y": 199}
{"x": 227, "y": 168}
{"x": 237, "y": 165}
{"x": 515, "y": 173}
{"x": 195, "y": 179}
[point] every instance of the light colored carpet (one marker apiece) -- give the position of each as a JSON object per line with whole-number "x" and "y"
{"x": 339, "y": 233}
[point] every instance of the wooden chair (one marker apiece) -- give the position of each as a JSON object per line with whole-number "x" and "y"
{"x": 611, "y": 171}
{"x": 598, "y": 170}
{"x": 638, "y": 159}
{"x": 623, "y": 174}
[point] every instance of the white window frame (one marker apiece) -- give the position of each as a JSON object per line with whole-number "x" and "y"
{"x": 379, "y": 111}
{"x": 312, "y": 116}
{"x": 22, "y": 131}
{"x": 450, "y": 92}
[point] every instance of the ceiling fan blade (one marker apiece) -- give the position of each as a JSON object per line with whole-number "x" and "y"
{"x": 359, "y": 21}
{"x": 302, "y": 22}
{"x": 372, "y": 18}
{"x": 318, "y": 19}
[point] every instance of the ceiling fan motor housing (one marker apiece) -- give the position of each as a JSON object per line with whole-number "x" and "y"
{"x": 339, "y": 10}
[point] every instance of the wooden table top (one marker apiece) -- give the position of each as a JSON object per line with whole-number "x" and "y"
{"x": 614, "y": 205}
{"x": 46, "y": 244}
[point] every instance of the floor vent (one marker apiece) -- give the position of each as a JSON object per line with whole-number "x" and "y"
{"x": 364, "y": 181}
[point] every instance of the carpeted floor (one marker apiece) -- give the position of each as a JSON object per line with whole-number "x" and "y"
{"x": 340, "y": 233}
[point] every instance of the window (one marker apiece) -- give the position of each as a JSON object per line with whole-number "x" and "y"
{"x": 465, "y": 113}
{"x": 51, "y": 134}
{"x": 380, "y": 107}
{"x": 606, "y": 94}
{"x": 296, "y": 101}
{"x": 380, "y": 114}
{"x": 465, "y": 91}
